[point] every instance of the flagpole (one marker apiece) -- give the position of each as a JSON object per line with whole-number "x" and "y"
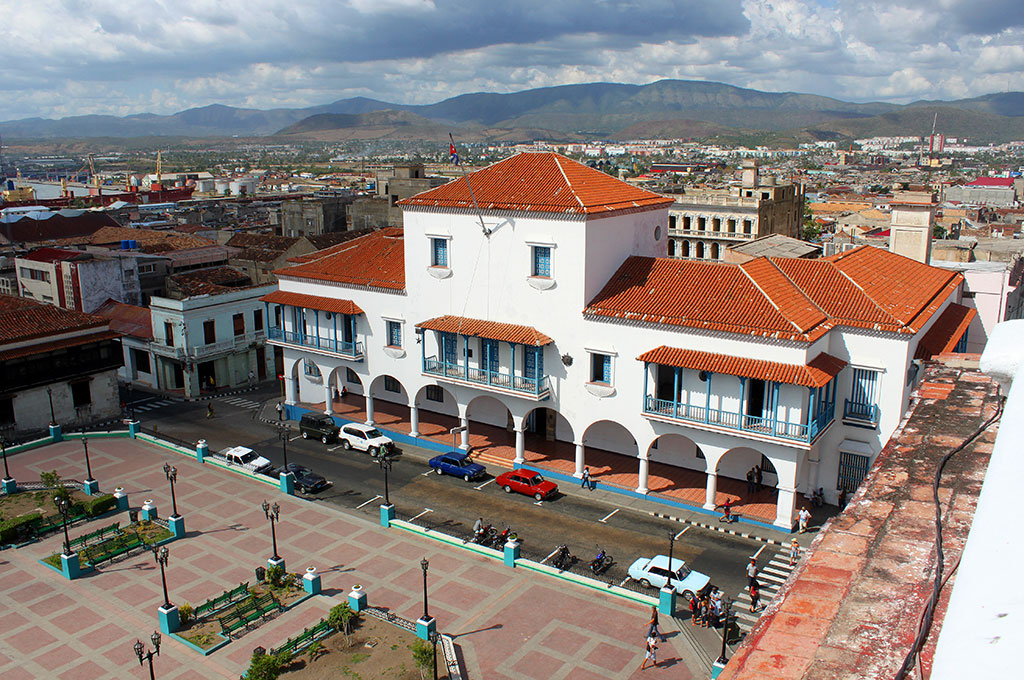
{"x": 470, "y": 186}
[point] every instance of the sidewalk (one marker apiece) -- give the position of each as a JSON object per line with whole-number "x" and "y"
{"x": 506, "y": 623}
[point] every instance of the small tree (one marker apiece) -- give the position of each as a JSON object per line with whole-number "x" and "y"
{"x": 53, "y": 483}
{"x": 185, "y": 613}
{"x": 423, "y": 657}
{"x": 275, "y": 575}
{"x": 265, "y": 666}
{"x": 340, "y": 618}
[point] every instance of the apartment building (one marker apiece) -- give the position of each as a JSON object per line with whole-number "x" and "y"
{"x": 78, "y": 280}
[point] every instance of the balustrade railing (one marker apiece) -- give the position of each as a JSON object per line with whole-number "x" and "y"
{"x": 349, "y": 349}
{"x": 739, "y": 421}
{"x": 481, "y": 376}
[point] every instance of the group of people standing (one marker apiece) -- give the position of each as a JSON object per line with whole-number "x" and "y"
{"x": 754, "y": 477}
{"x": 706, "y": 611}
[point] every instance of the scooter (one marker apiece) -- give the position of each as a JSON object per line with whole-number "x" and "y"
{"x": 601, "y": 561}
{"x": 505, "y": 536}
{"x": 563, "y": 558}
{"x": 484, "y": 535}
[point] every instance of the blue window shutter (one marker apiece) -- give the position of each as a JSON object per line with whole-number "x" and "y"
{"x": 541, "y": 261}
{"x": 440, "y": 252}
{"x": 540, "y": 362}
{"x": 607, "y": 368}
{"x": 530, "y": 365}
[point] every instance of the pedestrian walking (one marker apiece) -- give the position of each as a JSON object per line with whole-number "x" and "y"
{"x": 757, "y": 476}
{"x": 752, "y": 572}
{"x": 694, "y": 610}
{"x": 280, "y": 411}
{"x": 585, "y": 483}
{"x": 794, "y": 552}
{"x": 755, "y": 598}
{"x": 750, "y": 481}
{"x": 209, "y": 410}
{"x": 652, "y": 626}
{"x": 842, "y": 498}
{"x": 726, "y": 511}
{"x": 802, "y": 519}
{"x": 651, "y": 654}
{"x": 252, "y": 380}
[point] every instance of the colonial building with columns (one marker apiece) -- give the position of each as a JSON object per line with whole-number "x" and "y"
{"x": 532, "y": 299}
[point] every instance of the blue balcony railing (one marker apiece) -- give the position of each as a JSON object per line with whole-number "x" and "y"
{"x": 739, "y": 421}
{"x": 863, "y": 413}
{"x": 479, "y": 376}
{"x": 352, "y": 350}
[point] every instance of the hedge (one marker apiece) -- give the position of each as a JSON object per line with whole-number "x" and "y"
{"x": 100, "y": 504}
{"x": 9, "y": 527}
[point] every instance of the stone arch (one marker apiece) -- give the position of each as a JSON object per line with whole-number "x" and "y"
{"x": 715, "y": 251}
{"x": 735, "y": 462}
{"x": 487, "y": 409}
{"x": 700, "y": 250}
{"x": 677, "y": 450}
{"x": 686, "y": 249}
{"x": 447, "y": 406}
{"x": 341, "y": 376}
{"x": 548, "y": 424}
{"x": 379, "y": 389}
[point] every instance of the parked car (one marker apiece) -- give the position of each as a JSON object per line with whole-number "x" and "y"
{"x": 529, "y": 482}
{"x": 318, "y": 426}
{"x": 654, "y": 572}
{"x": 306, "y": 480}
{"x": 363, "y": 438}
{"x": 457, "y": 463}
{"x": 243, "y": 457}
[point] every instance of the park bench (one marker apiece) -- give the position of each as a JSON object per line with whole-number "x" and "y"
{"x": 215, "y": 604}
{"x": 96, "y": 535}
{"x": 308, "y": 636}
{"x": 113, "y": 547}
{"x": 229, "y": 623}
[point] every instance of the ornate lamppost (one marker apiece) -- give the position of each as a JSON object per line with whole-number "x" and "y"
{"x": 726, "y": 609}
{"x": 64, "y": 508}
{"x": 88, "y": 466}
{"x": 171, "y": 473}
{"x": 49, "y": 395}
{"x": 161, "y": 554}
{"x": 273, "y": 513}
{"x": 148, "y": 655}
{"x": 385, "y": 463}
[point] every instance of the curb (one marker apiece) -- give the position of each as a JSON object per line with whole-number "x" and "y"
{"x": 229, "y": 393}
{"x": 712, "y": 527}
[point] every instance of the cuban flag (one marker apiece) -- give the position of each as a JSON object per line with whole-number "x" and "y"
{"x": 453, "y": 153}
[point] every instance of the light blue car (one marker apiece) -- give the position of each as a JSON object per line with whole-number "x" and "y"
{"x": 654, "y": 572}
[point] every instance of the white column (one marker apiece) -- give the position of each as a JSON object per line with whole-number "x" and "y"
{"x": 579, "y": 461}
{"x": 641, "y": 486}
{"x": 520, "y": 447}
{"x": 328, "y": 398}
{"x": 785, "y": 508}
{"x": 291, "y": 389}
{"x": 712, "y": 491}
{"x": 414, "y": 421}
{"x": 464, "y": 422}
{"x": 369, "y": 410}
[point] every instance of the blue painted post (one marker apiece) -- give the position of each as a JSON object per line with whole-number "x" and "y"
{"x": 357, "y": 599}
{"x": 311, "y": 581}
{"x": 202, "y": 450}
{"x": 316, "y": 326}
{"x": 121, "y": 499}
{"x": 667, "y": 601}
{"x": 716, "y": 669}
{"x": 176, "y": 523}
{"x": 512, "y": 371}
{"x": 425, "y": 628}
{"x": 511, "y": 553}
{"x": 676, "y": 379}
{"x": 148, "y": 513}
{"x": 707, "y": 401}
{"x": 465, "y": 356}
{"x": 743, "y": 403}
{"x": 287, "y": 482}
{"x": 170, "y": 622}
{"x": 279, "y": 562}
{"x": 91, "y": 487}
{"x": 70, "y": 566}
{"x": 10, "y": 486}
{"x": 55, "y": 433}
{"x": 134, "y": 427}
{"x": 387, "y": 513}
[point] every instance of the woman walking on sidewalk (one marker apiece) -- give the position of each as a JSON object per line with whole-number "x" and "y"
{"x": 652, "y": 626}
{"x": 651, "y": 653}
{"x": 794, "y": 552}
{"x": 755, "y": 598}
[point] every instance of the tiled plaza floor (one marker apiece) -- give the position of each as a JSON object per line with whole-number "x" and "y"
{"x": 507, "y": 623}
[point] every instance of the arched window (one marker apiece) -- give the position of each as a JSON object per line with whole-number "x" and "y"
{"x": 714, "y": 251}
{"x": 686, "y": 249}
{"x": 700, "y": 250}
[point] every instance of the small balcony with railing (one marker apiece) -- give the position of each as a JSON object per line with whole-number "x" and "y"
{"x": 349, "y": 349}
{"x": 315, "y": 323}
{"x": 763, "y": 399}
{"x": 488, "y": 355}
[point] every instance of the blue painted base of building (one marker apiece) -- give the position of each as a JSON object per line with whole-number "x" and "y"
{"x": 70, "y": 566}
{"x": 311, "y": 583}
{"x": 425, "y": 628}
{"x": 55, "y": 433}
{"x": 288, "y": 483}
{"x": 387, "y": 513}
{"x": 10, "y": 486}
{"x": 511, "y": 553}
{"x": 169, "y": 620}
{"x": 176, "y": 523}
{"x": 91, "y": 487}
{"x": 293, "y": 412}
{"x": 357, "y": 600}
{"x": 667, "y": 601}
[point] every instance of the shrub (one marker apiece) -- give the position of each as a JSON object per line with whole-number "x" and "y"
{"x": 275, "y": 575}
{"x": 340, "y": 618}
{"x": 10, "y": 528}
{"x": 265, "y": 666}
{"x": 100, "y": 504}
{"x": 423, "y": 656}
{"x": 316, "y": 650}
{"x": 185, "y": 613}
{"x": 52, "y": 481}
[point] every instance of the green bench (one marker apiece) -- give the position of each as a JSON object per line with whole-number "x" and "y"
{"x": 247, "y": 612}
{"x": 308, "y": 636}
{"x": 113, "y": 547}
{"x": 215, "y": 604}
{"x": 96, "y": 535}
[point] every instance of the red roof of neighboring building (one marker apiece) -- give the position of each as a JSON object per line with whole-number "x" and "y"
{"x": 51, "y": 255}
{"x": 491, "y": 330}
{"x": 22, "y": 319}
{"x": 946, "y": 332}
{"x": 992, "y": 182}
{"x": 324, "y": 304}
{"x": 53, "y": 345}
{"x": 29, "y": 230}
{"x": 127, "y": 319}
{"x": 818, "y": 372}
{"x": 376, "y": 260}
{"x": 539, "y": 182}
{"x": 792, "y": 299}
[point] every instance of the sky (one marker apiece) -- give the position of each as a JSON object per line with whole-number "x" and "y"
{"x": 75, "y": 57}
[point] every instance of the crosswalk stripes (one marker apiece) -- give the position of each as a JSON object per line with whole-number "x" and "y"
{"x": 151, "y": 405}
{"x": 241, "y": 403}
{"x": 770, "y": 579}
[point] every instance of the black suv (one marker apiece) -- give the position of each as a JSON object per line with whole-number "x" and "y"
{"x": 319, "y": 426}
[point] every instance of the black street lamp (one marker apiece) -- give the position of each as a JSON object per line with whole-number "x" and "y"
{"x": 171, "y": 473}
{"x": 671, "y": 544}
{"x": 64, "y": 508}
{"x": 161, "y": 554}
{"x": 424, "y": 564}
{"x": 284, "y": 431}
{"x": 88, "y": 467}
{"x": 3, "y": 447}
{"x": 385, "y": 462}
{"x": 726, "y": 606}
{"x": 273, "y": 513}
{"x": 49, "y": 395}
{"x": 148, "y": 654}
{"x": 131, "y": 403}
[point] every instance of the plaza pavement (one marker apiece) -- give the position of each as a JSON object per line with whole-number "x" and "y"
{"x": 507, "y": 623}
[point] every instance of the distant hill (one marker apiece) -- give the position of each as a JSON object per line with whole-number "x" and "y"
{"x": 671, "y": 108}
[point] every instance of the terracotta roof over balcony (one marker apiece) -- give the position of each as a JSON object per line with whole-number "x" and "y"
{"x": 491, "y": 330}
{"x": 375, "y": 260}
{"x": 539, "y": 182}
{"x": 946, "y": 332}
{"x": 323, "y": 304}
{"x": 817, "y": 373}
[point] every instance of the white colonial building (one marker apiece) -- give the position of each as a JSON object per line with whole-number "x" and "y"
{"x": 538, "y": 303}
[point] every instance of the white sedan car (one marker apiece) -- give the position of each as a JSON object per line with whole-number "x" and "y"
{"x": 363, "y": 438}
{"x": 655, "y": 572}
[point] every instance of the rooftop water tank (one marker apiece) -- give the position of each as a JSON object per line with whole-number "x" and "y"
{"x": 125, "y": 244}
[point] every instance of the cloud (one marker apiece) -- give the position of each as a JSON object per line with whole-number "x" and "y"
{"x": 105, "y": 56}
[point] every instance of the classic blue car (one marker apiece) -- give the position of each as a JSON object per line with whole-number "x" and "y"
{"x": 457, "y": 463}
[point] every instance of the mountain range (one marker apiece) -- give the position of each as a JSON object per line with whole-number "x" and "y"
{"x": 667, "y": 108}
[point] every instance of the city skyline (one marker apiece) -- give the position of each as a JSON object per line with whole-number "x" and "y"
{"x": 67, "y": 59}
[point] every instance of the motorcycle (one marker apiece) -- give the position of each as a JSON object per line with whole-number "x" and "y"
{"x": 600, "y": 562}
{"x": 485, "y": 535}
{"x": 563, "y": 558}
{"x": 503, "y": 537}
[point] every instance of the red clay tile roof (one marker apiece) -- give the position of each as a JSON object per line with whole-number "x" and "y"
{"x": 376, "y": 260}
{"x": 127, "y": 319}
{"x": 28, "y": 230}
{"x": 492, "y": 330}
{"x": 818, "y": 372}
{"x": 150, "y": 240}
{"x": 324, "y": 304}
{"x": 77, "y": 341}
{"x": 946, "y": 332}
{"x": 22, "y": 319}
{"x": 991, "y": 182}
{"x": 51, "y": 255}
{"x": 539, "y": 182}
{"x": 791, "y": 299}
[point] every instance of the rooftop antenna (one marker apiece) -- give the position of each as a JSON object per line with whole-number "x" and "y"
{"x": 455, "y": 160}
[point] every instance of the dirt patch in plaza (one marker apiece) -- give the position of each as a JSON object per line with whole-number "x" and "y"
{"x": 27, "y": 502}
{"x": 375, "y": 649}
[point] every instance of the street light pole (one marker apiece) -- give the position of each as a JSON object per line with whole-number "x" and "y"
{"x": 171, "y": 473}
{"x": 88, "y": 467}
{"x": 63, "y": 507}
{"x": 161, "y": 554}
{"x": 726, "y": 605}
{"x": 3, "y": 447}
{"x": 671, "y": 544}
{"x": 148, "y": 654}
{"x": 273, "y": 513}
{"x": 49, "y": 395}
{"x": 285, "y": 432}
{"x": 424, "y": 564}
{"x": 385, "y": 463}
{"x": 131, "y": 402}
